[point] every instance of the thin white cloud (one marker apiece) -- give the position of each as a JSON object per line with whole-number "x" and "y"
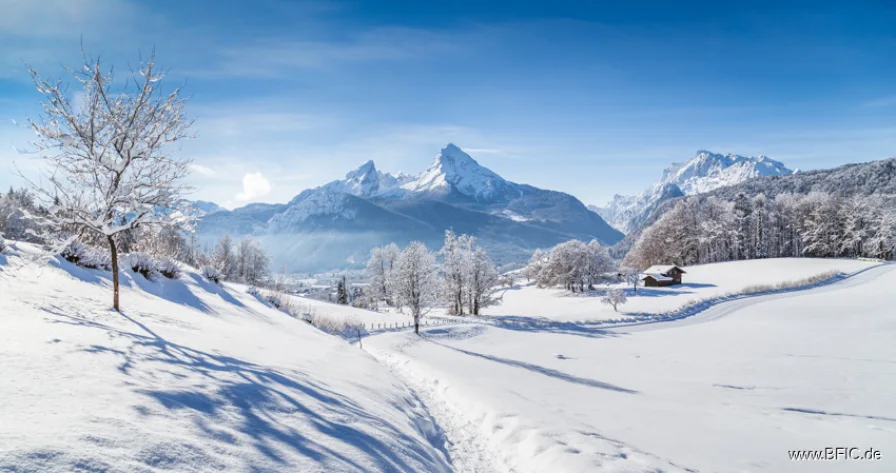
{"x": 282, "y": 56}
{"x": 255, "y": 186}
{"x": 201, "y": 169}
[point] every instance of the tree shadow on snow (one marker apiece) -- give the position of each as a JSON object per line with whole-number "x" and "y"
{"x": 539, "y": 369}
{"x": 254, "y": 400}
{"x": 544, "y": 325}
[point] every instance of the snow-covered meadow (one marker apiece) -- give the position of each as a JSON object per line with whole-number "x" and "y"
{"x": 198, "y": 377}
{"x": 701, "y": 282}
{"x": 729, "y": 390}
{"x": 190, "y": 377}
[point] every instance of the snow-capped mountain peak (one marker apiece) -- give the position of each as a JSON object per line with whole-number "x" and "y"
{"x": 453, "y": 169}
{"x": 705, "y": 172}
{"x": 366, "y": 181}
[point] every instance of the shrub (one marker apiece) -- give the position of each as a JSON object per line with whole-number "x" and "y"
{"x": 2, "y": 245}
{"x": 74, "y": 252}
{"x": 211, "y": 273}
{"x": 341, "y": 326}
{"x": 141, "y": 263}
{"x": 168, "y": 268}
{"x": 85, "y": 256}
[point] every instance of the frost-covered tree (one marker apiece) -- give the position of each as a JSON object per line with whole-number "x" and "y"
{"x": 597, "y": 263}
{"x": 224, "y": 257}
{"x": 379, "y": 268}
{"x": 415, "y": 280}
{"x": 536, "y": 265}
{"x": 110, "y": 166}
{"x": 573, "y": 264}
{"x": 614, "y": 297}
{"x": 816, "y": 224}
{"x": 481, "y": 279}
{"x": 251, "y": 261}
{"x": 457, "y": 262}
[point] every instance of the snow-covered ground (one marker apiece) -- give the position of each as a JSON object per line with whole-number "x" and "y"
{"x": 191, "y": 377}
{"x": 194, "y": 377}
{"x": 729, "y": 390}
{"x": 700, "y": 282}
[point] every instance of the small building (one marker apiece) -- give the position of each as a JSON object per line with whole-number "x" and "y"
{"x": 659, "y": 275}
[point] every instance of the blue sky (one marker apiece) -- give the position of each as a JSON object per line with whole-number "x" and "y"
{"x": 592, "y": 98}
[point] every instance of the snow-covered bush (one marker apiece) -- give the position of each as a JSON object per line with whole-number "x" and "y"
{"x": 211, "y": 273}
{"x": 168, "y": 267}
{"x": 78, "y": 253}
{"x": 2, "y": 245}
{"x": 338, "y": 325}
{"x": 141, "y": 263}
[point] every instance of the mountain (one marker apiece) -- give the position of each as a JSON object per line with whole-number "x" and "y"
{"x": 705, "y": 172}
{"x": 858, "y": 179}
{"x": 335, "y": 225}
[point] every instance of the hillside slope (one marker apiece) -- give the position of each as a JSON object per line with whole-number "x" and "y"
{"x": 190, "y": 377}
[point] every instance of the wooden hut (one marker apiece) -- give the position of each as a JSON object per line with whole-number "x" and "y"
{"x": 662, "y": 275}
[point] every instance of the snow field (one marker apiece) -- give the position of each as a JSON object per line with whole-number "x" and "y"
{"x": 700, "y": 282}
{"x": 191, "y": 377}
{"x": 729, "y": 390}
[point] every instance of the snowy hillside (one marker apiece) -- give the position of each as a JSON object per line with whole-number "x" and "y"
{"x": 191, "y": 377}
{"x": 732, "y": 389}
{"x": 338, "y": 223}
{"x": 705, "y": 172}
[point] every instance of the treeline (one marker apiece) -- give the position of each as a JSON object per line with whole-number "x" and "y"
{"x": 460, "y": 276}
{"x": 148, "y": 250}
{"x": 702, "y": 229}
{"x": 574, "y": 264}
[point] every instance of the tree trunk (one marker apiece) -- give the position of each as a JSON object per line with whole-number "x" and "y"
{"x": 114, "y": 252}
{"x": 417, "y": 324}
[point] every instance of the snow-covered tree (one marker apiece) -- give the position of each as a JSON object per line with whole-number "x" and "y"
{"x": 252, "y": 262}
{"x": 614, "y": 297}
{"x": 456, "y": 268}
{"x": 225, "y": 257}
{"x": 379, "y": 268}
{"x": 110, "y": 164}
{"x": 597, "y": 263}
{"x": 415, "y": 280}
{"x": 481, "y": 279}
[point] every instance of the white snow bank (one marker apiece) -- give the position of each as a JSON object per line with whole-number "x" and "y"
{"x": 191, "y": 377}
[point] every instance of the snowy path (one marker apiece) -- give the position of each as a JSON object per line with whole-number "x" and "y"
{"x": 465, "y": 450}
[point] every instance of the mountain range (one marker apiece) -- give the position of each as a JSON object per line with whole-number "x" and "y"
{"x": 334, "y": 226}
{"x": 705, "y": 172}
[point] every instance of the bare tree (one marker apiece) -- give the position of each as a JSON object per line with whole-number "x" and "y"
{"x": 110, "y": 164}
{"x": 614, "y": 297}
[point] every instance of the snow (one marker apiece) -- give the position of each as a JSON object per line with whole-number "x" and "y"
{"x": 658, "y": 269}
{"x": 452, "y": 167}
{"x": 699, "y": 282}
{"x": 730, "y": 390}
{"x": 315, "y": 204}
{"x": 191, "y": 377}
{"x": 705, "y": 172}
{"x": 196, "y": 377}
